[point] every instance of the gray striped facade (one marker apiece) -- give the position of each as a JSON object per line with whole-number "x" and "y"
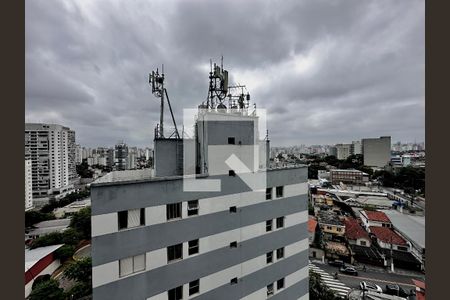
{"x": 113, "y": 197}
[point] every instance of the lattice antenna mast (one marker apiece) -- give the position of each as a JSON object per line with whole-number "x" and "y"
{"x": 156, "y": 81}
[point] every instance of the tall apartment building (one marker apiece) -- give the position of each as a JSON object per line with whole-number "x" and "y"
{"x": 121, "y": 156}
{"x": 78, "y": 154}
{"x": 356, "y": 148}
{"x": 51, "y": 149}
{"x": 343, "y": 151}
{"x": 377, "y": 151}
{"x": 156, "y": 237}
{"x": 28, "y": 186}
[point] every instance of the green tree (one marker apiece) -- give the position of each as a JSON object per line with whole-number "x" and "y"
{"x": 65, "y": 252}
{"x": 80, "y": 270}
{"x": 318, "y": 290}
{"x": 53, "y": 238}
{"x": 47, "y": 290}
{"x": 81, "y": 222}
{"x": 33, "y": 217}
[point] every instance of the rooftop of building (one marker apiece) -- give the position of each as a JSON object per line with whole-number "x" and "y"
{"x": 329, "y": 217}
{"x": 46, "y": 227}
{"x": 387, "y": 235}
{"x": 411, "y": 227}
{"x": 146, "y": 175}
{"x": 353, "y": 230}
{"x": 347, "y": 171}
{"x": 376, "y": 216}
{"x": 35, "y": 255}
{"x": 312, "y": 224}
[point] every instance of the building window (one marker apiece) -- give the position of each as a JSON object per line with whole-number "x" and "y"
{"x": 329, "y": 227}
{"x": 268, "y": 225}
{"x": 231, "y": 140}
{"x": 193, "y": 247}
{"x": 174, "y": 252}
{"x": 280, "y": 253}
{"x": 233, "y": 244}
{"x": 176, "y": 293}
{"x": 269, "y": 257}
{"x": 401, "y": 248}
{"x": 268, "y": 193}
{"x": 131, "y": 265}
{"x": 233, "y": 209}
{"x": 279, "y": 191}
{"x": 280, "y": 222}
{"x": 131, "y": 218}
{"x": 280, "y": 284}
{"x": 173, "y": 211}
{"x": 339, "y": 229}
{"x": 194, "y": 287}
{"x": 192, "y": 207}
{"x": 270, "y": 290}
{"x": 231, "y": 173}
{"x": 234, "y": 280}
{"x": 363, "y": 243}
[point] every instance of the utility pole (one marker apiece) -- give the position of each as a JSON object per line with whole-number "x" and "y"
{"x": 161, "y": 118}
{"x": 392, "y": 257}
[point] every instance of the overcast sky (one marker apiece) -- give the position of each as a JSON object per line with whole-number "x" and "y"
{"x": 326, "y": 71}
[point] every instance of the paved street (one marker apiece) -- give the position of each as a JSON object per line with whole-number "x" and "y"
{"x": 378, "y": 277}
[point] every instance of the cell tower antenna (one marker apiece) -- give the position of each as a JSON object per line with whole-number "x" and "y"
{"x": 156, "y": 81}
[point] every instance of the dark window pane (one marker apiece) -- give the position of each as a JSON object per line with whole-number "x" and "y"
{"x": 233, "y": 244}
{"x": 280, "y": 253}
{"x": 268, "y": 193}
{"x": 142, "y": 216}
{"x": 279, "y": 191}
{"x": 280, "y": 222}
{"x": 194, "y": 287}
{"x": 174, "y": 252}
{"x": 269, "y": 225}
{"x": 233, "y": 209}
{"x": 192, "y": 207}
{"x": 123, "y": 219}
{"x": 231, "y": 140}
{"x": 234, "y": 280}
{"x": 193, "y": 247}
{"x": 173, "y": 211}
{"x": 269, "y": 257}
{"x": 231, "y": 173}
{"x": 176, "y": 293}
{"x": 280, "y": 284}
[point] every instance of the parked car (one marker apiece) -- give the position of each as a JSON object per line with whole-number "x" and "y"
{"x": 349, "y": 271}
{"x": 336, "y": 263}
{"x": 396, "y": 290}
{"x": 369, "y": 286}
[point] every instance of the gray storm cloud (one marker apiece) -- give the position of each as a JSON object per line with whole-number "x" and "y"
{"x": 327, "y": 71}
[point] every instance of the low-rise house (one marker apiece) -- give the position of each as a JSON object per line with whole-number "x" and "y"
{"x": 331, "y": 226}
{"x": 38, "y": 262}
{"x": 420, "y": 289}
{"x": 312, "y": 226}
{"x": 355, "y": 234}
{"x": 388, "y": 238}
{"x": 412, "y": 229}
{"x": 374, "y": 219}
{"x": 46, "y": 227}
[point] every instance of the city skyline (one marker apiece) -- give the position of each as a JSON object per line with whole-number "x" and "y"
{"x": 331, "y": 72}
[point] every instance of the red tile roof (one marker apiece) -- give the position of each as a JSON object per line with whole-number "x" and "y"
{"x": 377, "y": 216}
{"x": 312, "y": 223}
{"x": 353, "y": 230}
{"x": 387, "y": 235}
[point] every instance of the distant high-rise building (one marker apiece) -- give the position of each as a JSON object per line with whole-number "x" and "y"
{"x": 28, "y": 186}
{"x": 78, "y": 154}
{"x": 377, "y": 151}
{"x": 343, "y": 151}
{"x": 332, "y": 151}
{"x": 356, "y": 148}
{"x": 51, "y": 149}
{"x": 121, "y": 156}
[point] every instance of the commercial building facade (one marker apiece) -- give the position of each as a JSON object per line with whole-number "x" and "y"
{"x": 377, "y": 151}
{"x": 348, "y": 176}
{"x": 152, "y": 239}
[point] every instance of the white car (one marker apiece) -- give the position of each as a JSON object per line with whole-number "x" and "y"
{"x": 369, "y": 286}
